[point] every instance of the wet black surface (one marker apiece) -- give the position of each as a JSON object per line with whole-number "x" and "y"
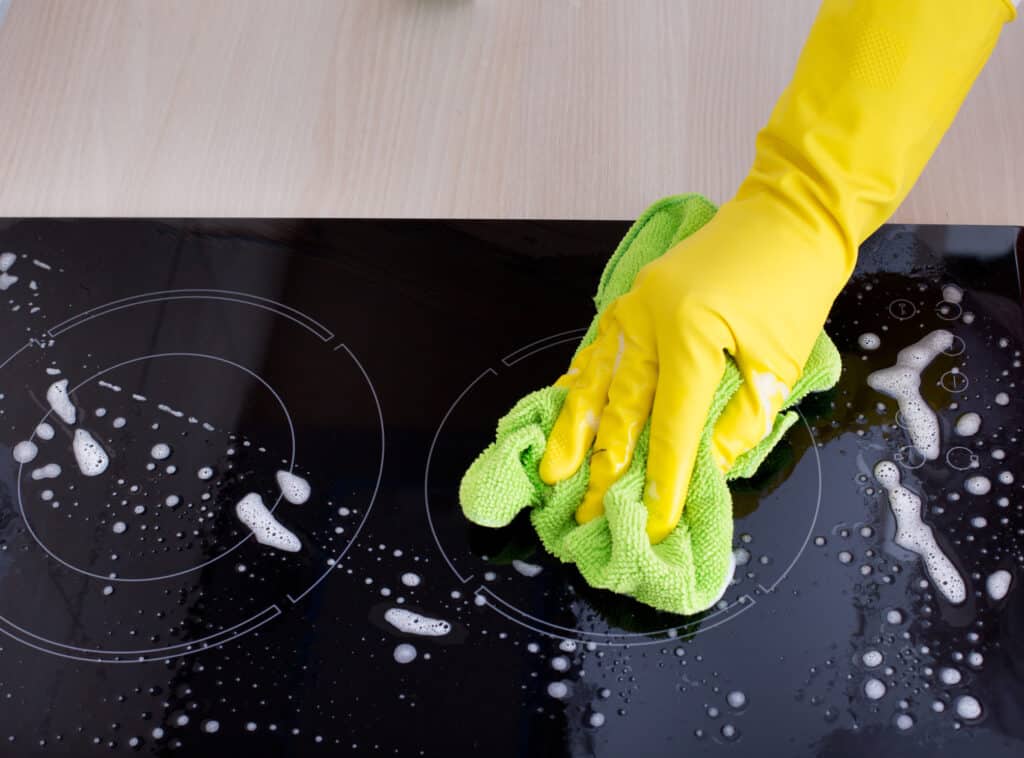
{"x": 374, "y": 358}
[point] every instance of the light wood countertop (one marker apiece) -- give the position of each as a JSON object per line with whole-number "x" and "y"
{"x": 431, "y": 108}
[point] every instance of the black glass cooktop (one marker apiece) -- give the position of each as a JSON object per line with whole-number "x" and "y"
{"x": 156, "y": 374}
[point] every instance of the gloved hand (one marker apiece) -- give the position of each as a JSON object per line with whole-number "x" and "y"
{"x": 876, "y": 87}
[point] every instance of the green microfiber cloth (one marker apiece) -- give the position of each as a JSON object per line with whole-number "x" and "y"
{"x": 690, "y": 569}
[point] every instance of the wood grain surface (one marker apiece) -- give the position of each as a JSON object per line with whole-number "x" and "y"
{"x": 430, "y": 108}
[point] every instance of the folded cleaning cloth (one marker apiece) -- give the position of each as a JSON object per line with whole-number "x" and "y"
{"x": 689, "y": 570}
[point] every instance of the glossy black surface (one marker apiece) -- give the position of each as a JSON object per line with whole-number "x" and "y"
{"x": 377, "y": 356}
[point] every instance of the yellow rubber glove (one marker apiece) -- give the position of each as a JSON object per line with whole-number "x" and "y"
{"x": 876, "y": 87}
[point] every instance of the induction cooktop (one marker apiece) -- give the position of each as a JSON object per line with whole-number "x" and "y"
{"x": 229, "y": 507}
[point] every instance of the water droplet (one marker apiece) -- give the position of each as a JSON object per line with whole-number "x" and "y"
{"x": 736, "y": 699}
{"x": 560, "y": 663}
{"x": 872, "y": 658}
{"x": 874, "y": 689}
{"x": 904, "y": 721}
{"x": 968, "y": 708}
{"x": 558, "y": 690}
{"x": 405, "y": 653}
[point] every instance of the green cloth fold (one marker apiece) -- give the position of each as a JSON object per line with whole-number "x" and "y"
{"x": 688, "y": 571}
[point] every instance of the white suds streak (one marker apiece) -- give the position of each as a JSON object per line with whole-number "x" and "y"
{"x": 261, "y": 522}
{"x": 170, "y": 410}
{"x": 915, "y": 535}
{"x": 60, "y": 403}
{"x": 902, "y": 382}
{"x": 412, "y": 623}
{"x": 294, "y": 488}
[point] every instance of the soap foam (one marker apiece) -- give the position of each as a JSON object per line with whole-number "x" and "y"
{"x": 915, "y": 535}
{"x": 869, "y": 341}
{"x": 57, "y": 397}
{"x": 6, "y": 261}
{"x": 25, "y": 451}
{"x": 49, "y": 471}
{"x": 268, "y": 531}
{"x": 92, "y": 459}
{"x": 968, "y": 424}
{"x": 295, "y": 489}
{"x": 44, "y": 431}
{"x": 412, "y": 623}
{"x": 170, "y": 410}
{"x": 998, "y": 584}
{"x": 902, "y": 382}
